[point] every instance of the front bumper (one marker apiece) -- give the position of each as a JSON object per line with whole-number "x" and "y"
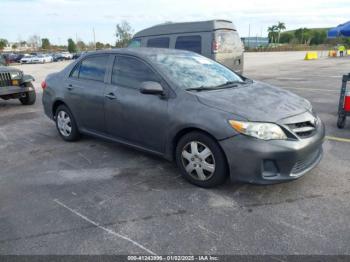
{"x": 266, "y": 162}
{"x": 10, "y": 90}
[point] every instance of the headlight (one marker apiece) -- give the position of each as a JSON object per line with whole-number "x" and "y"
{"x": 15, "y": 75}
{"x": 265, "y": 131}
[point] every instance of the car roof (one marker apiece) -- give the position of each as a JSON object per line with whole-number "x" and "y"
{"x": 139, "y": 51}
{"x": 185, "y": 27}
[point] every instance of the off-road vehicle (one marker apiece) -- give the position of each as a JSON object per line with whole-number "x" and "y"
{"x": 16, "y": 85}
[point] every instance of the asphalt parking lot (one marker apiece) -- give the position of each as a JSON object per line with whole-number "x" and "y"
{"x": 97, "y": 197}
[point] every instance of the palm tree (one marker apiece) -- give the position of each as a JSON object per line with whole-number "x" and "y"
{"x": 272, "y": 33}
{"x": 280, "y": 26}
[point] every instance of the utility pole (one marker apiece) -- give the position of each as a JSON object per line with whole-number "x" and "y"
{"x": 249, "y": 36}
{"x": 93, "y": 31}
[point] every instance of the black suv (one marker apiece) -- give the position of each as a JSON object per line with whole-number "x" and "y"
{"x": 15, "y": 85}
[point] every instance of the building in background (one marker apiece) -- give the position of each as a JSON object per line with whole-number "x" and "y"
{"x": 255, "y": 42}
{"x": 17, "y": 47}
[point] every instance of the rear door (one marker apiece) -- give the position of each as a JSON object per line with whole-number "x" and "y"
{"x": 228, "y": 49}
{"x": 85, "y": 92}
{"x": 137, "y": 118}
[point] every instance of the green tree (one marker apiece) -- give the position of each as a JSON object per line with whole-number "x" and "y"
{"x": 280, "y": 26}
{"x": 286, "y": 37}
{"x": 318, "y": 37}
{"x": 81, "y": 45}
{"x": 123, "y": 34}
{"x": 303, "y": 35}
{"x": 72, "y": 47}
{"x": 45, "y": 43}
{"x": 14, "y": 46}
{"x": 99, "y": 45}
{"x": 3, "y": 43}
{"x": 272, "y": 33}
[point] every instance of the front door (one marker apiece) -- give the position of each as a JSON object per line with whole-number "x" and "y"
{"x": 140, "y": 119}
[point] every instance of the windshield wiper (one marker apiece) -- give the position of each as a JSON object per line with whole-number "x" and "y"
{"x": 206, "y": 88}
{"x": 229, "y": 83}
{"x": 200, "y": 88}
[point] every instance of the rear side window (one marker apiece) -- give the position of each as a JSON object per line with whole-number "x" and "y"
{"x": 131, "y": 72}
{"x": 191, "y": 43}
{"x": 228, "y": 41}
{"x": 160, "y": 42}
{"x": 135, "y": 43}
{"x": 93, "y": 68}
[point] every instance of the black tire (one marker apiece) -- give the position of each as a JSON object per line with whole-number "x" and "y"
{"x": 30, "y": 97}
{"x": 74, "y": 134}
{"x": 341, "y": 121}
{"x": 220, "y": 173}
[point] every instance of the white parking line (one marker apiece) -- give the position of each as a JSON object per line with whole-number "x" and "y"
{"x": 103, "y": 228}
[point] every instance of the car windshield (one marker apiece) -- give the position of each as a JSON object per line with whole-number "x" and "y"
{"x": 191, "y": 71}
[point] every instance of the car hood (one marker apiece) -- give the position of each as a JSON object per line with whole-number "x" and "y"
{"x": 256, "y": 102}
{"x": 8, "y": 69}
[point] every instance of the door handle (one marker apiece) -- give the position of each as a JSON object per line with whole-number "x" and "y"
{"x": 111, "y": 96}
{"x": 70, "y": 87}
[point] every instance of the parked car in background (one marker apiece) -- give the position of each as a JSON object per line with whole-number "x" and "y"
{"x": 215, "y": 39}
{"x": 42, "y": 59}
{"x": 67, "y": 55}
{"x": 188, "y": 108}
{"x": 78, "y": 54}
{"x": 15, "y": 58}
{"x": 26, "y": 59}
{"x": 58, "y": 57}
{"x": 11, "y": 57}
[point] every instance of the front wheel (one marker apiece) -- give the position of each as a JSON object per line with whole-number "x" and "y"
{"x": 201, "y": 160}
{"x": 29, "y": 97}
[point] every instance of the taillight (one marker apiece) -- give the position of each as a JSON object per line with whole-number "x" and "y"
{"x": 214, "y": 46}
{"x": 347, "y": 102}
{"x": 43, "y": 84}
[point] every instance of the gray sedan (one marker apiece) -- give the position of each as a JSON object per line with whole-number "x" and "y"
{"x": 182, "y": 106}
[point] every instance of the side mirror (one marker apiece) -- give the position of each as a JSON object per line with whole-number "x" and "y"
{"x": 151, "y": 88}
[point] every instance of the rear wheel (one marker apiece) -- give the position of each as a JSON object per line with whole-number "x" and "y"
{"x": 201, "y": 160}
{"x": 29, "y": 97}
{"x": 66, "y": 125}
{"x": 341, "y": 121}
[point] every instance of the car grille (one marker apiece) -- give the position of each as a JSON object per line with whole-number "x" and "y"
{"x": 303, "y": 129}
{"x": 5, "y": 79}
{"x": 305, "y": 163}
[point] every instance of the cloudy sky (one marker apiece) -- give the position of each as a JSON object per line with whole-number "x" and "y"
{"x": 62, "y": 19}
